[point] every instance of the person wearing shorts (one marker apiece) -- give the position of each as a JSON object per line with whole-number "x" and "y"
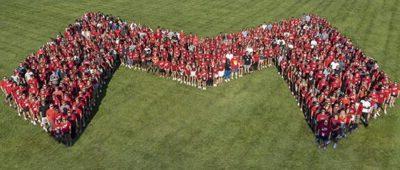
{"x": 247, "y": 63}
{"x": 192, "y": 79}
{"x": 174, "y": 70}
{"x": 394, "y": 94}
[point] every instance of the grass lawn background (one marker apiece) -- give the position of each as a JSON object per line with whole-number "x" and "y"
{"x": 148, "y": 122}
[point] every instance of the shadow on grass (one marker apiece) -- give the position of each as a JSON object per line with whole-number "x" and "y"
{"x": 95, "y": 109}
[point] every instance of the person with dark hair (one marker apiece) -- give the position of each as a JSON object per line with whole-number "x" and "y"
{"x": 366, "y": 110}
{"x": 335, "y": 130}
{"x": 323, "y": 132}
{"x": 247, "y": 63}
{"x": 42, "y": 112}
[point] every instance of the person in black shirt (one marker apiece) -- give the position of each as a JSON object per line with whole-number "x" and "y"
{"x": 247, "y": 63}
{"x": 42, "y": 111}
{"x": 227, "y": 74}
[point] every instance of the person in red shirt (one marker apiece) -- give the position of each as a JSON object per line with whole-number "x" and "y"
{"x": 335, "y": 130}
{"x": 161, "y": 70}
{"x": 204, "y": 77}
{"x": 56, "y": 129}
{"x": 167, "y": 69}
{"x": 34, "y": 109}
{"x": 51, "y": 114}
{"x": 3, "y": 84}
{"x": 65, "y": 127}
{"x": 380, "y": 103}
{"x": 321, "y": 117}
{"x": 23, "y": 104}
{"x": 174, "y": 70}
{"x": 394, "y": 93}
{"x": 386, "y": 92}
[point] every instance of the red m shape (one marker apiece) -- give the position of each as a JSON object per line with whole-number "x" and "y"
{"x": 59, "y": 85}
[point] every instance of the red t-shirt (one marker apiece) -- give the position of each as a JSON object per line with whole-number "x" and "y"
{"x": 321, "y": 117}
{"x": 394, "y": 90}
{"x": 381, "y": 97}
{"x": 51, "y": 115}
{"x": 3, "y": 84}
{"x": 234, "y": 63}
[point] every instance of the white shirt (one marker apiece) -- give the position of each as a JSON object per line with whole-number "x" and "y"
{"x": 245, "y": 33}
{"x": 249, "y": 50}
{"x": 86, "y": 34}
{"x": 334, "y": 65}
{"x": 264, "y": 26}
{"x": 229, "y": 56}
{"x": 28, "y": 75}
{"x": 280, "y": 42}
{"x": 286, "y": 34}
{"x": 132, "y": 26}
{"x": 314, "y": 43}
{"x": 366, "y": 106}
{"x": 307, "y": 18}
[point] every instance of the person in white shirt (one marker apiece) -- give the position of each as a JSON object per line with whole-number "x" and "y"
{"x": 28, "y": 75}
{"x": 366, "y": 110}
{"x": 314, "y": 44}
{"x": 249, "y": 50}
{"x": 264, "y": 26}
{"x": 229, "y": 56}
{"x": 334, "y": 65}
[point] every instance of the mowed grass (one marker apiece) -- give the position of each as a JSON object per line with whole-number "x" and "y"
{"x": 148, "y": 122}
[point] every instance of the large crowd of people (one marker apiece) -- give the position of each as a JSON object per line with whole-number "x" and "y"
{"x": 335, "y": 84}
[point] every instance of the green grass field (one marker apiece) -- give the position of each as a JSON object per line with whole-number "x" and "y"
{"x": 148, "y": 122}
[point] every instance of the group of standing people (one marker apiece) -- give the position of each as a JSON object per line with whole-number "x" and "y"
{"x": 335, "y": 84}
